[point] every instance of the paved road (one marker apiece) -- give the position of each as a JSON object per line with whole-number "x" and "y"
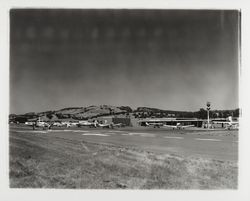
{"x": 221, "y": 145}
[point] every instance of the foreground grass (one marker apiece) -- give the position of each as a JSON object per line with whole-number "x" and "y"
{"x": 46, "y": 161}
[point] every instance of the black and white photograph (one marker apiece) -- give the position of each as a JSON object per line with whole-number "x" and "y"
{"x": 124, "y": 99}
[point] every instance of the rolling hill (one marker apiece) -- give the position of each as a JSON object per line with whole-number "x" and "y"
{"x": 90, "y": 112}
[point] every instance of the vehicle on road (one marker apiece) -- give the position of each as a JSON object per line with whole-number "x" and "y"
{"x": 229, "y": 124}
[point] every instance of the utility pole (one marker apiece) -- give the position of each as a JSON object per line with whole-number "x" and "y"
{"x": 208, "y": 108}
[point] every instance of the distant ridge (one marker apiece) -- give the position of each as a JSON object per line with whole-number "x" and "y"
{"x": 93, "y": 111}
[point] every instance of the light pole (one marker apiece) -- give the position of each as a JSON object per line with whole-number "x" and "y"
{"x": 208, "y": 108}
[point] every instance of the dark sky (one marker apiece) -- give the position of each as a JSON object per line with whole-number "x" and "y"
{"x": 169, "y": 59}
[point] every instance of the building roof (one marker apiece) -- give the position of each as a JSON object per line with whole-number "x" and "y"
{"x": 168, "y": 119}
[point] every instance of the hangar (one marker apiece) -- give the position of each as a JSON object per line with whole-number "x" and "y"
{"x": 172, "y": 121}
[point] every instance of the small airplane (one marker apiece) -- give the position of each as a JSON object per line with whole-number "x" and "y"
{"x": 38, "y": 123}
{"x": 87, "y": 123}
{"x": 110, "y": 125}
{"x": 178, "y": 126}
{"x": 118, "y": 125}
{"x": 154, "y": 124}
{"x": 42, "y": 124}
{"x": 230, "y": 124}
{"x": 29, "y": 123}
{"x": 104, "y": 125}
{"x": 72, "y": 124}
{"x": 58, "y": 124}
{"x": 65, "y": 124}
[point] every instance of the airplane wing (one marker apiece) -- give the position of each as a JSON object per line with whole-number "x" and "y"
{"x": 119, "y": 124}
{"x": 104, "y": 125}
{"x": 221, "y": 122}
{"x": 234, "y": 122}
{"x": 152, "y": 124}
{"x": 187, "y": 126}
{"x": 170, "y": 126}
{"x": 225, "y": 122}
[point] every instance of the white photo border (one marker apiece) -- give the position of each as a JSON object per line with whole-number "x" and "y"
{"x": 48, "y": 194}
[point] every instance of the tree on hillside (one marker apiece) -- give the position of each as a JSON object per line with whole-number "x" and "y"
{"x": 49, "y": 115}
{"x": 202, "y": 114}
{"x": 237, "y": 113}
{"x": 21, "y": 119}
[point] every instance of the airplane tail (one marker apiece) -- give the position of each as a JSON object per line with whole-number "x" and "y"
{"x": 230, "y": 118}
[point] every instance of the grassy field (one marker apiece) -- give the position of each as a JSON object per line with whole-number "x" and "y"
{"x": 45, "y": 161}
